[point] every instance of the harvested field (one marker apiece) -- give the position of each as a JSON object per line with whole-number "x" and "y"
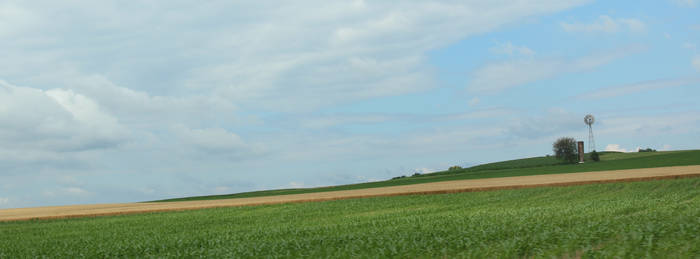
{"x": 427, "y": 188}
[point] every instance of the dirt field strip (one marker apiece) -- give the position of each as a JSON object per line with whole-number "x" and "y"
{"x": 425, "y": 188}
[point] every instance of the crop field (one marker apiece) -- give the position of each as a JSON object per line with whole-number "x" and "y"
{"x": 53, "y": 212}
{"x": 632, "y": 220}
{"x": 518, "y": 167}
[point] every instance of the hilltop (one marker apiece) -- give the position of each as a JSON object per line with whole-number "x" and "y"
{"x": 517, "y": 167}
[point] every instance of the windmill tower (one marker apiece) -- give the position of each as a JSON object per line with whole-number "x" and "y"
{"x": 589, "y": 120}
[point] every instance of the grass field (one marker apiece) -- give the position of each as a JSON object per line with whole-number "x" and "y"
{"x": 519, "y": 167}
{"x": 631, "y": 220}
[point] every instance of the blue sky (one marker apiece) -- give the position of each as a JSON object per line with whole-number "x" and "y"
{"x": 102, "y": 101}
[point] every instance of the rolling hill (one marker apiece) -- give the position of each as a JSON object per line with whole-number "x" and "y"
{"x": 518, "y": 167}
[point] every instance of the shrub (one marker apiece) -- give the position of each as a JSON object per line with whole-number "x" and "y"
{"x": 454, "y": 167}
{"x": 647, "y": 150}
{"x": 595, "y": 156}
{"x": 565, "y": 149}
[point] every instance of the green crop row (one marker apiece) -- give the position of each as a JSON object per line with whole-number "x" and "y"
{"x": 629, "y": 220}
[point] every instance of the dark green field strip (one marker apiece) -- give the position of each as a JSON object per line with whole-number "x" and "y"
{"x": 658, "y": 219}
{"x": 520, "y": 167}
{"x": 550, "y": 160}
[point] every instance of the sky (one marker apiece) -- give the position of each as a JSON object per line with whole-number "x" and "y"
{"x": 114, "y": 101}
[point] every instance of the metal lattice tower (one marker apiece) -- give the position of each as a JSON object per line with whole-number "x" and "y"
{"x": 589, "y": 120}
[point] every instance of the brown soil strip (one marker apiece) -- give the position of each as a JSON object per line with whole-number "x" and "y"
{"x": 425, "y": 188}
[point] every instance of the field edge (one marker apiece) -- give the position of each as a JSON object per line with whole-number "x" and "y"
{"x": 456, "y": 190}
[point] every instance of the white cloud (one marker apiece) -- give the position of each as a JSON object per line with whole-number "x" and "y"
{"x": 296, "y": 185}
{"x": 4, "y": 201}
{"x": 633, "y": 25}
{"x": 606, "y": 24}
{"x": 473, "y": 101}
{"x": 75, "y": 191}
{"x": 14, "y": 18}
{"x": 66, "y": 191}
{"x": 85, "y": 111}
{"x": 424, "y": 170}
{"x": 615, "y": 147}
{"x": 343, "y": 120}
{"x": 553, "y": 122}
{"x": 498, "y": 76}
{"x": 178, "y": 89}
{"x": 696, "y": 62}
{"x": 140, "y": 108}
{"x": 620, "y": 90}
{"x": 54, "y": 120}
{"x": 649, "y": 126}
{"x": 301, "y": 55}
{"x": 509, "y": 49}
{"x": 666, "y": 147}
{"x": 339, "y": 119}
{"x": 684, "y": 3}
{"x": 214, "y": 140}
{"x": 339, "y": 147}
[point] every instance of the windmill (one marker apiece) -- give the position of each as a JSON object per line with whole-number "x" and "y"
{"x": 589, "y": 120}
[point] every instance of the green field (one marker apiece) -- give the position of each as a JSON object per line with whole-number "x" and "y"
{"x": 630, "y": 220}
{"x": 519, "y": 167}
